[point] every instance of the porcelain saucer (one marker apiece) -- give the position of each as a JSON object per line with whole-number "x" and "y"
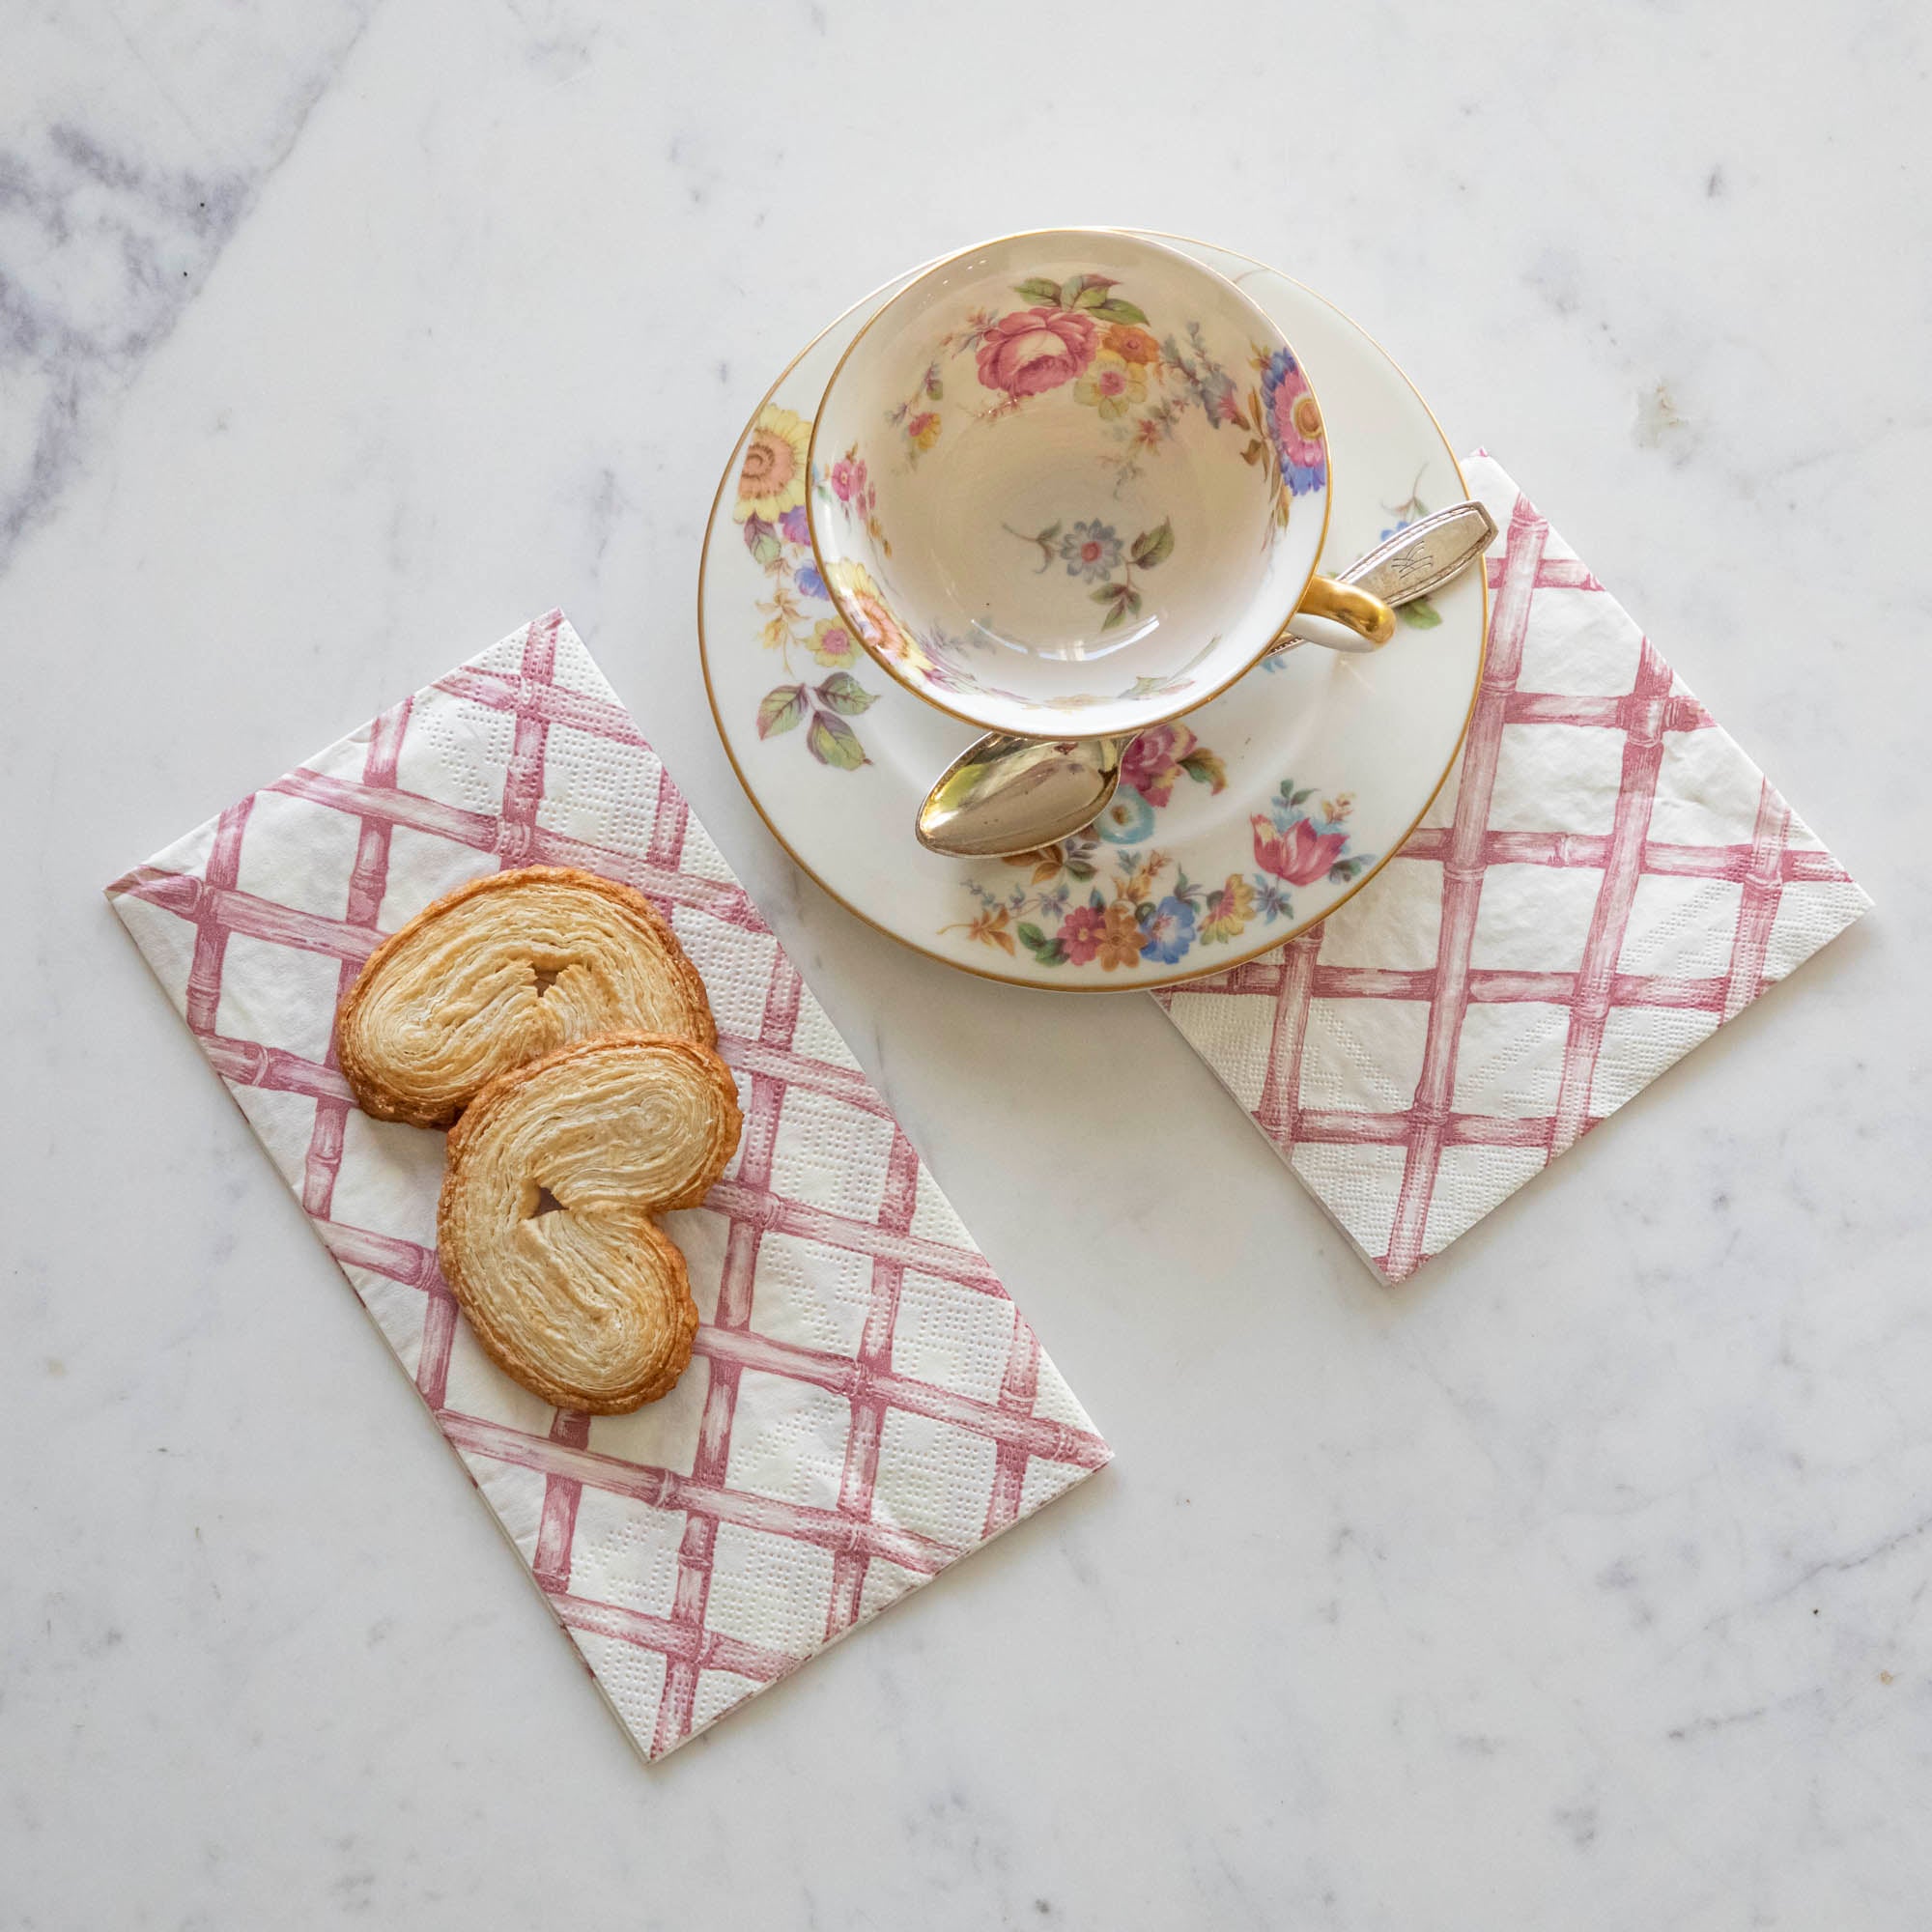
{"x": 1234, "y": 827}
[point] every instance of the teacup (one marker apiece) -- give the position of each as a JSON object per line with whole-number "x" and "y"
{"x": 1073, "y": 483}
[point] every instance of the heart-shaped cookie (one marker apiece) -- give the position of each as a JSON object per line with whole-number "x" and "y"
{"x": 546, "y": 1227}
{"x": 502, "y": 971}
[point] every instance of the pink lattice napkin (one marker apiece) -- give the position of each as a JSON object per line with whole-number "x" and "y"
{"x": 1603, "y": 882}
{"x": 866, "y": 1405}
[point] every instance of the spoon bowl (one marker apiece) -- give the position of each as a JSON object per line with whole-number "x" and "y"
{"x": 1005, "y": 794}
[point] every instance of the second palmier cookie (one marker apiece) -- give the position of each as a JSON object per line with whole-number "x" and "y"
{"x": 502, "y": 971}
{"x": 547, "y": 1226}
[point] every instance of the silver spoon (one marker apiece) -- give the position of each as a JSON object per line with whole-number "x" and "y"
{"x": 1005, "y": 794}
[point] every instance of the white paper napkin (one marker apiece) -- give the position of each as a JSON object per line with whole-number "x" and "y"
{"x": 866, "y": 1405}
{"x": 1603, "y": 882}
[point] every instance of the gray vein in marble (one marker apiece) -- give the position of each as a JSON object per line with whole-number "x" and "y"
{"x": 103, "y": 241}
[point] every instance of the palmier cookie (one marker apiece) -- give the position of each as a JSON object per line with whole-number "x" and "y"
{"x": 546, "y": 1227}
{"x": 502, "y": 971}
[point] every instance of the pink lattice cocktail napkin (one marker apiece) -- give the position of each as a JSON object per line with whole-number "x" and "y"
{"x": 866, "y": 1405}
{"x": 1603, "y": 882}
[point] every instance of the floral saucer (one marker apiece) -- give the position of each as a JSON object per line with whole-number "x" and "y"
{"x": 1234, "y": 827}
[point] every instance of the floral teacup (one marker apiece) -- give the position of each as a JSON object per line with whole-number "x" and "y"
{"x": 1071, "y": 484}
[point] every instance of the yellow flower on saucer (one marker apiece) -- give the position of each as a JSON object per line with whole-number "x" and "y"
{"x": 1112, "y": 384}
{"x": 832, "y": 644}
{"x": 772, "y": 480}
{"x": 1237, "y": 907}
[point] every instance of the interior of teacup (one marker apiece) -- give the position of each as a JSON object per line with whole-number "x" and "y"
{"x": 1068, "y": 483}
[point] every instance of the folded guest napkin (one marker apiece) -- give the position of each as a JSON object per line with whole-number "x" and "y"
{"x": 866, "y": 1405}
{"x": 1604, "y": 879}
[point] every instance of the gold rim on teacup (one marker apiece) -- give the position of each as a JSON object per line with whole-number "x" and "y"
{"x": 1083, "y": 488}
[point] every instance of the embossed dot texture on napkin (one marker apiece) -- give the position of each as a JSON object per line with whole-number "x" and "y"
{"x": 1604, "y": 879}
{"x": 865, "y": 1406}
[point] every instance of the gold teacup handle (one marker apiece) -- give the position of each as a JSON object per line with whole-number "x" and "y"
{"x": 1357, "y": 609}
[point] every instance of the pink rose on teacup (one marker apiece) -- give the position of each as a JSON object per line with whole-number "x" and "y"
{"x": 1300, "y": 855}
{"x": 1036, "y": 349}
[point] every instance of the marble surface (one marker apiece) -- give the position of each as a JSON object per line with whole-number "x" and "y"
{"x": 1582, "y": 1583}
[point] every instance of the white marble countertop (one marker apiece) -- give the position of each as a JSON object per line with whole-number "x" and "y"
{"x": 1582, "y": 1583}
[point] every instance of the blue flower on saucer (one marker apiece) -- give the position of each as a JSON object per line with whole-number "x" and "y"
{"x": 1170, "y": 932}
{"x": 1127, "y": 819}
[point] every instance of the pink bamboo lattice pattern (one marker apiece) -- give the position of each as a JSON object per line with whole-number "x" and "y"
{"x": 866, "y": 1405}
{"x": 1604, "y": 881}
